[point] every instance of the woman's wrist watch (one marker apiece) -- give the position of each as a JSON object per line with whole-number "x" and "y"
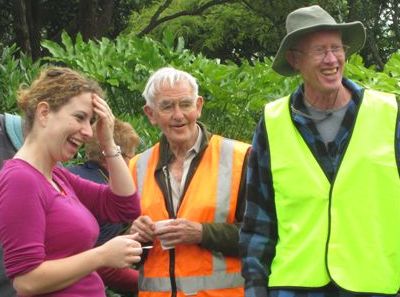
{"x": 115, "y": 152}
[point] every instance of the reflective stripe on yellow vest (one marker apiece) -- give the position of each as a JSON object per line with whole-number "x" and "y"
{"x": 210, "y": 197}
{"x": 348, "y": 233}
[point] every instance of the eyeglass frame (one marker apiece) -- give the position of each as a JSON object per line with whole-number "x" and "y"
{"x": 170, "y": 105}
{"x": 319, "y": 53}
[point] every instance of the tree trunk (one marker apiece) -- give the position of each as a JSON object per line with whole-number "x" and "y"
{"x": 396, "y": 17}
{"x": 21, "y": 27}
{"x": 104, "y": 19}
{"x": 371, "y": 43}
{"x": 33, "y": 20}
{"x": 87, "y": 18}
{"x": 352, "y": 8}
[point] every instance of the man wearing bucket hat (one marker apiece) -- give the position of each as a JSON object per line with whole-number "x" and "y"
{"x": 323, "y": 189}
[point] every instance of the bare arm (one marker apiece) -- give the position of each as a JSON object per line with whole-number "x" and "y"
{"x": 120, "y": 179}
{"x": 53, "y": 275}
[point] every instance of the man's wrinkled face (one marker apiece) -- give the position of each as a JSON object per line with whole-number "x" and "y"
{"x": 320, "y": 59}
{"x": 175, "y": 110}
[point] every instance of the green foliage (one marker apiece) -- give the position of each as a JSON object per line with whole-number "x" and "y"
{"x": 380, "y": 18}
{"x": 122, "y": 66}
{"x": 14, "y": 72}
{"x": 234, "y": 95}
{"x": 229, "y": 31}
{"x": 392, "y": 66}
{"x": 234, "y": 31}
{"x": 148, "y": 134}
{"x": 386, "y": 81}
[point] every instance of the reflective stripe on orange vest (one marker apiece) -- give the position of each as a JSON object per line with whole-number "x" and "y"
{"x": 192, "y": 285}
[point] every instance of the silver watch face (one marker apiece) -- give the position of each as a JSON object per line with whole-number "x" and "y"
{"x": 116, "y": 152}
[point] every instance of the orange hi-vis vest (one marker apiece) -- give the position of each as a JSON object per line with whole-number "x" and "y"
{"x": 211, "y": 197}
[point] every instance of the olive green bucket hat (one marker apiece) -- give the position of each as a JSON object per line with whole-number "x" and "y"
{"x": 312, "y": 19}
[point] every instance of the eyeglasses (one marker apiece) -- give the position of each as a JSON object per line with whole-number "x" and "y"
{"x": 168, "y": 106}
{"x": 319, "y": 53}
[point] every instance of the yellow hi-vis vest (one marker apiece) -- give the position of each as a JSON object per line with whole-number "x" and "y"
{"x": 210, "y": 197}
{"x": 347, "y": 232}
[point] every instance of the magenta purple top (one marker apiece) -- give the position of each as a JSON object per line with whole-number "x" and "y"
{"x": 37, "y": 223}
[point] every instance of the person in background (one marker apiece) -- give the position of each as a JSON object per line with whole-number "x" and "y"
{"x": 194, "y": 179}
{"x": 323, "y": 191}
{"x": 11, "y": 139}
{"x": 11, "y": 136}
{"x": 48, "y": 223}
{"x": 123, "y": 281}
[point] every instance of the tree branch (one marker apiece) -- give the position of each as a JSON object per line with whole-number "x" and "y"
{"x": 247, "y": 3}
{"x": 154, "y": 22}
{"x": 159, "y": 11}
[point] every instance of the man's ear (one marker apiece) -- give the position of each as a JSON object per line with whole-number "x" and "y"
{"x": 291, "y": 59}
{"x": 199, "y": 105}
{"x": 150, "y": 113}
{"x": 42, "y": 112}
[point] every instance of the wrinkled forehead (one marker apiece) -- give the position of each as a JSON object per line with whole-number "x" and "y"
{"x": 167, "y": 83}
{"x": 319, "y": 38}
{"x": 172, "y": 90}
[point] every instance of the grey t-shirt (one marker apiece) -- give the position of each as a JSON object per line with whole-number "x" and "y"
{"x": 327, "y": 121}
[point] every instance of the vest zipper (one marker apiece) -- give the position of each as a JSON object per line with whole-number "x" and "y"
{"x": 170, "y": 203}
{"x": 170, "y": 208}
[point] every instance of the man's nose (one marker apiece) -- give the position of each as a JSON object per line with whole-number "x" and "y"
{"x": 177, "y": 111}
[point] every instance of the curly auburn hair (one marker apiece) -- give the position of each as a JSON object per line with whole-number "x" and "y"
{"x": 56, "y": 86}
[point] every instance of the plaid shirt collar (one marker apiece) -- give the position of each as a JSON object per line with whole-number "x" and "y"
{"x": 296, "y": 99}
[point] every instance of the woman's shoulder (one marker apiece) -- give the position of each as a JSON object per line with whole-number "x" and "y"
{"x": 17, "y": 168}
{"x": 18, "y": 179}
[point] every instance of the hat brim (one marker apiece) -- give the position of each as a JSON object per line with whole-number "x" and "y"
{"x": 353, "y": 35}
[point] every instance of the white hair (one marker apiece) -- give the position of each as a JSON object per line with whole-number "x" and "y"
{"x": 169, "y": 76}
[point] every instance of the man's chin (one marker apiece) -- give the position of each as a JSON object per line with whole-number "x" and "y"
{"x": 330, "y": 86}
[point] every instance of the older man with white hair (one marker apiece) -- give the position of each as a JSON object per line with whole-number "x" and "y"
{"x": 191, "y": 181}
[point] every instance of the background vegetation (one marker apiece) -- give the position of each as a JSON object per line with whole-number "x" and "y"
{"x": 233, "y": 30}
{"x": 226, "y": 44}
{"x": 234, "y": 94}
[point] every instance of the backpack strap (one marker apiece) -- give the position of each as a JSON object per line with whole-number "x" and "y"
{"x": 13, "y": 127}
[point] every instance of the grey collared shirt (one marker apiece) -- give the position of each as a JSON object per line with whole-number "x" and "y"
{"x": 176, "y": 186}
